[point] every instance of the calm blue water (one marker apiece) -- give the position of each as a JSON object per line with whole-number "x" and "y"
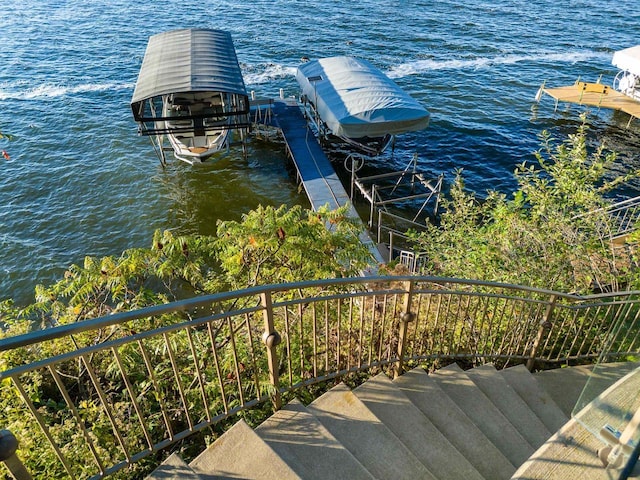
{"x": 81, "y": 182}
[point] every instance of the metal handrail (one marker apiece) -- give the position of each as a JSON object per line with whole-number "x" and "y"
{"x": 134, "y": 383}
{"x": 624, "y": 215}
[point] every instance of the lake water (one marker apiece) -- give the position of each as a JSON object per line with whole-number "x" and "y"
{"x": 81, "y": 182}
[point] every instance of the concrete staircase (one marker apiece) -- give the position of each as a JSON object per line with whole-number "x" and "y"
{"x": 447, "y": 425}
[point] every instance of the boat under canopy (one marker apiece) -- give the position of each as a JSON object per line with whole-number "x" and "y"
{"x": 623, "y": 95}
{"x": 358, "y": 103}
{"x": 190, "y": 89}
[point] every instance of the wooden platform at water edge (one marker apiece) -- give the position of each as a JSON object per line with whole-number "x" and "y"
{"x": 315, "y": 172}
{"x": 595, "y": 95}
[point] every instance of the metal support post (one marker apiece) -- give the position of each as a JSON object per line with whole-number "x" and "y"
{"x": 8, "y": 447}
{"x": 405, "y": 319}
{"x": 271, "y": 339}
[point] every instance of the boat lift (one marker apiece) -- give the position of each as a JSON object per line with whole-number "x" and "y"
{"x": 388, "y": 192}
{"x": 190, "y": 91}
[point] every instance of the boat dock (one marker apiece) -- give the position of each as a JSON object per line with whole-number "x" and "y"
{"x": 314, "y": 170}
{"x": 593, "y": 94}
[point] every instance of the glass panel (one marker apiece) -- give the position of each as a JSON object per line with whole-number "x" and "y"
{"x": 609, "y": 406}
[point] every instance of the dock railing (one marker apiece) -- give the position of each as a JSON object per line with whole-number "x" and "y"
{"x": 624, "y": 215}
{"x": 95, "y": 397}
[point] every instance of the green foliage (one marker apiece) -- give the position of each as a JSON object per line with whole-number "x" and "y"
{"x": 286, "y": 245}
{"x": 549, "y": 234}
{"x": 268, "y": 246}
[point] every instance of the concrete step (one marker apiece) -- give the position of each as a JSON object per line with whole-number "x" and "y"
{"x": 565, "y": 385}
{"x": 304, "y": 444}
{"x": 459, "y": 387}
{"x": 413, "y": 428}
{"x": 573, "y": 451}
{"x": 536, "y": 397}
{"x": 496, "y": 388}
{"x": 366, "y": 437}
{"x": 241, "y": 453}
{"x": 454, "y": 424}
{"x": 174, "y": 468}
{"x": 570, "y": 453}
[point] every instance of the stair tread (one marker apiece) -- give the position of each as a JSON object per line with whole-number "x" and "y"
{"x": 414, "y": 429}
{"x": 483, "y": 413}
{"x": 565, "y": 385}
{"x": 470, "y": 441}
{"x": 365, "y": 436}
{"x": 302, "y": 442}
{"x": 227, "y": 458}
{"x": 570, "y": 453}
{"x": 496, "y": 388}
{"x": 173, "y": 468}
{"x": 538, "y": 399}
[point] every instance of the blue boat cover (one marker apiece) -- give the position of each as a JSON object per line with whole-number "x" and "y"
{"x": 355, "y": 99}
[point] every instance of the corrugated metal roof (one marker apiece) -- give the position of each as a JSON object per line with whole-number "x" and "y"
{"x": 189, "y": 60}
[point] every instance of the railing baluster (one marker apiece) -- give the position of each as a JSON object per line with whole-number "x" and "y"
{"x": 555, "y": 339}
{"x": 372, "y": 329}
{"x": 350, "y": 334}
{"x": 339, "y": 334}
{"x": 416, "y": 324}
{"x": 176, "y": 376}
{"x": 105, "y": 404}
{"x": 287, "y": 332}
{"x": 132, "y": 396}
{"x": 196, "y": 366}
{"x": 236, "y": 362}
{"x": 633, "y": 327}
{"x": 326, "y": 336}
{"x": 156, "y": 387}
{"x": 509, "y": 328}
{"x": 497, "y": 319}
{"x": 216, "y": 361}
{"x": 43, "y": 426}
{"x": 383, "y": 330}
{"x": 301, "y": 340}
{"x": 76, "y": 415}
{"x": 252, "y": 350}
{"x": 361, "y": 332}
{"x": 315, "y": 339}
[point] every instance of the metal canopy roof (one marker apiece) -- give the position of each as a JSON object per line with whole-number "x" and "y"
{"x": 189, "y": 60}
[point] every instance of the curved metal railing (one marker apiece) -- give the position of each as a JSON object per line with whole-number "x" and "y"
{"x": 104, "y": 394}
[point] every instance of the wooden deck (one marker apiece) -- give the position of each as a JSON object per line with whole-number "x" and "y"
{"x": 315, "y": 172}
{"x": 595, "y": 95}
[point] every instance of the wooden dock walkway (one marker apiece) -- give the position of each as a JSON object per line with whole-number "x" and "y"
{"x": 317, "y": 175}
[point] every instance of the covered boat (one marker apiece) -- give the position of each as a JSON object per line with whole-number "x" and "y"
{"x": 628, "y": 79}
{"x": 351, "y": 99}
{"x": 190, "y": 89}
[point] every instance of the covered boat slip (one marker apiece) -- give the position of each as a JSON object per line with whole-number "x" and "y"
{"x": 355, "y": 101}
{"x": 190, "y": 88}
